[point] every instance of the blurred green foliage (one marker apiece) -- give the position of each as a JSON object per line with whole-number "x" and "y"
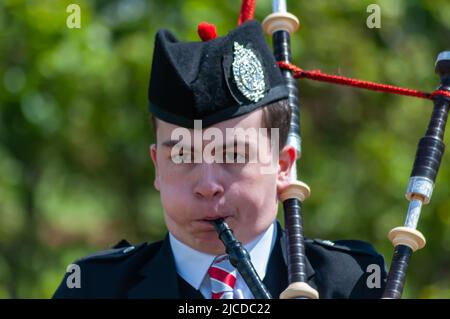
{"x": 75, "y": 172}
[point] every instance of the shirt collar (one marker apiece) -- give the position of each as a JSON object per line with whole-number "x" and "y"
{"x": 192, "y": 265}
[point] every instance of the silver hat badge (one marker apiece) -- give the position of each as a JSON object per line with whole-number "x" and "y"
{"x": 248, "y": 73}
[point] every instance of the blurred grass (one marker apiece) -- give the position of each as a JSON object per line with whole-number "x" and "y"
{"x": 75, "y": 174}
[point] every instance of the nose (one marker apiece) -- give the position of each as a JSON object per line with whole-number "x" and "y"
{"x": 208, "y": 185}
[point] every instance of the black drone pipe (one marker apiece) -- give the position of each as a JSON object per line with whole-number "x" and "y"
{"x": 429, "y": 153}
{"x": 240, "y": 259}
{"x": 280, "y": 25}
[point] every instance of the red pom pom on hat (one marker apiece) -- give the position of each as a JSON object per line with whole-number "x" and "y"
{"x": 207, "y": 31}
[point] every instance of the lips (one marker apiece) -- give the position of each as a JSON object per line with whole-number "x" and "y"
{"x": 214, "y": 218}
{"x": 206, "y": 223}
{"x": 209, "y": 214}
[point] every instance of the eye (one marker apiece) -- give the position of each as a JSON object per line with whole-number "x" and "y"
{"x": 187, "y": 157}
{"x": 234, "y": 157}
{"x": 183, "y": 157}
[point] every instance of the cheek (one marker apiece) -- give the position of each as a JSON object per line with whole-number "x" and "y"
{"x": 174, "y": 193}
{"x": 256, "y": 202}
{"x": 257, "y": 193}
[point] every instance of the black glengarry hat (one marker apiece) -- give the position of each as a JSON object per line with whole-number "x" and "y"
{"x": 215, "y": 80}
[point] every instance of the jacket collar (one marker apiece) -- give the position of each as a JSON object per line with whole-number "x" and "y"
{"x": 276, "y": 279}
{"x": 160, "y": 278}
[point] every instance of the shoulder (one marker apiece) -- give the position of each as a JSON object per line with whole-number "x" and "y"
{"x": 106, "y": 273}
{"x": 348, "y": 268}
{"x": 121, "y": 251}
{"x": 353, "y": 247}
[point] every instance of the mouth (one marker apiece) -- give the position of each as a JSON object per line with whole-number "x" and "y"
{"x": 213, "y": 218}
{"x": 210, "y": 219}
{"x": 208, "y": 222}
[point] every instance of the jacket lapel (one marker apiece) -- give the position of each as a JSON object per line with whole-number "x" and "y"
{"x": 161, "y": 281}
{"x": 160, "y": 276}
{"x": 276, "y": 278}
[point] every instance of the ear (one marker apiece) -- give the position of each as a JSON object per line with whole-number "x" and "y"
{"x": 286, "y": 161}
{"x": 155, "y": 164}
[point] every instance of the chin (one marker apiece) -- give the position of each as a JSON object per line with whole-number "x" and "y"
{"x": 245, "y": 236}
{"x": 210, "y": 245}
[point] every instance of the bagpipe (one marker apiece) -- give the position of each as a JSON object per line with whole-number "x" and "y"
{"x": 406, "y": 239}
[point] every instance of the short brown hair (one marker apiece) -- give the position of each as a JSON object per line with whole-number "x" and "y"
{"x": 278, "y": 115}
{"x": 275, "y": 115}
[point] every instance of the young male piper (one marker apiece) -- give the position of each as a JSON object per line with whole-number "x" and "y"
{"x": 229, "y": 84}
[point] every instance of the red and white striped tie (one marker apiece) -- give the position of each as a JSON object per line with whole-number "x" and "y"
{"x": 223, "y": 278}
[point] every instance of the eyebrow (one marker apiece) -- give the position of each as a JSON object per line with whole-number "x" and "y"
{"x": 172, "y": 143}
{"x": 235, "y": 143}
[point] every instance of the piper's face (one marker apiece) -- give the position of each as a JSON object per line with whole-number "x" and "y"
{"x": 244, "y": 194}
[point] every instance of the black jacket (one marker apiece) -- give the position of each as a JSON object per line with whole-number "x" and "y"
{"x": 336, "y": 269}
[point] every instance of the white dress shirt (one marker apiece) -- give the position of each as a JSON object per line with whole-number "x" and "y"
{"x": 192, "y": 265}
